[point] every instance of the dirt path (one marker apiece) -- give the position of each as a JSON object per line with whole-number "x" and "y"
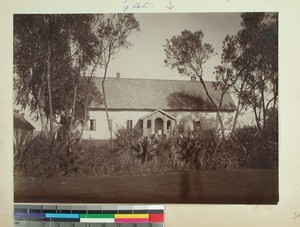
{"x": 243, "y": 187}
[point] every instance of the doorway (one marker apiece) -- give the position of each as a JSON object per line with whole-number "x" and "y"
{"x": 159, "y": 125}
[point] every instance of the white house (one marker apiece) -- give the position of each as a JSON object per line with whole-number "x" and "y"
{"x": 155, "y": 106}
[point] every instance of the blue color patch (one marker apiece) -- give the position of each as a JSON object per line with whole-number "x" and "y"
{"x": 50, "y": 215}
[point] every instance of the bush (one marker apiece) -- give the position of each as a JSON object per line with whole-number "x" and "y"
{"x": 143, "y": 154}
{"x": 182, "y": 150}
{"x": 44, "y": 158}
{"x": 257, "y": 149}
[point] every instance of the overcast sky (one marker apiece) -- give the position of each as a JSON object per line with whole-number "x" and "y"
{"x": 145, "y": 59}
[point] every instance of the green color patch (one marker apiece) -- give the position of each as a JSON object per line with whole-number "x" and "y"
{"x": 96, "y": 215}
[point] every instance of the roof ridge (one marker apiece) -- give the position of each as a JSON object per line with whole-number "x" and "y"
{"x": 126, "y": 78}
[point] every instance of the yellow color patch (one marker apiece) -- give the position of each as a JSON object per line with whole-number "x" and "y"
{"x": 131, "y": 215}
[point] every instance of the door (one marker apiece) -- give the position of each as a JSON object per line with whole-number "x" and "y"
{"x": 159, "y": 125}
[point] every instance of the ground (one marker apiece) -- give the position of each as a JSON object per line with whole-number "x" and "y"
{"x": 239, "y": 187}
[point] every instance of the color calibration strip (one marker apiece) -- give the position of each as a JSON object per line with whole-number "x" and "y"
{"x": 91, "y": 214}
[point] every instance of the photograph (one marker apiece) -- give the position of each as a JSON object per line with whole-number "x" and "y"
{"x": 158, "y": 108}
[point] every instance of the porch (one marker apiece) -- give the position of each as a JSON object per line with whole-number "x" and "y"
{"x": 158, "y": 122}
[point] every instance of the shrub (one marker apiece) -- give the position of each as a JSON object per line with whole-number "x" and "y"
{"x": 44, "y": 158}
{"x": 257, "y": 149}
{"x": 182, "y": 150}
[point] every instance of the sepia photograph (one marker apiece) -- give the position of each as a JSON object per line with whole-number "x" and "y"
{"x": 146, "y": 108}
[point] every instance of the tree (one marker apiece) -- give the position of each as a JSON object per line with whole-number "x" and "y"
{"x": 50, "y": 52}
{"x": 113, "y": 32}
{"x": 231, "y": 74}
{"x": 252, "y": 58}
{"x": 188, "y": 53}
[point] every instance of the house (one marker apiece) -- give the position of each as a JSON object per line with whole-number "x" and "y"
{"x": 155, "y": 106}
{"x": 23, "y": 132}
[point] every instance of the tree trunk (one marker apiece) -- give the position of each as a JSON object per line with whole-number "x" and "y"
{"x": 71, "y": 123}
{"x": 49, "y": 91}
{"x": 221, "y": 123}
{"x": 84, "y": 118}
{"x": 237, "y": 113}
{"x": 264, "y": 109}
{"x": 106, "y": 112}
{"x": 215, "y": 106}
{"x": 257, "y": 118}
{"x": 87, "y": 100}
{"x": 105, "y": 103}
{"x": 42, "y": 113}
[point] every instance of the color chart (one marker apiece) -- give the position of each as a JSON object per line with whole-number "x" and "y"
{"x": 89, "y": 216}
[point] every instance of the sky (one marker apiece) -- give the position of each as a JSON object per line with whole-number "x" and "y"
{"x": 145, "y": 59}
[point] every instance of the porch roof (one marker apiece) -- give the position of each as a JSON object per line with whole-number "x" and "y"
{"x": 155, "y": 111}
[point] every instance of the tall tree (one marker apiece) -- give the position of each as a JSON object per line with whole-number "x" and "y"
{"x": 252, "y": 57}
{"x": 113, "y": 32}
{"x": 232, "y": 74}
{"x": 50, "y": 51}
{"x": 188, "y": 53}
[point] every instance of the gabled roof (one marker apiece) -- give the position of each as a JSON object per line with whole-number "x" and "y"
{"x": 21, "y": 122}
{"x": 150, "y": 94}
{"x": 158, "y": 110}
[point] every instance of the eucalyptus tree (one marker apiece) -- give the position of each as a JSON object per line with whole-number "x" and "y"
{"x": 113, "y": 32}
{"x": 50, "y": 53}
{"x": 188, "y": 53}
{"x": 250, "y": 60}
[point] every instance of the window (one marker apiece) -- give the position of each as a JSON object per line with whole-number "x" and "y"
{"x": 92, "y": 124}
{"x": 149, "y": 124}
{"x": 168, "y": 125}
{"x": 129, "y": 124}
{"x": 141, "y": 124}
{"x": 197, "y": 126}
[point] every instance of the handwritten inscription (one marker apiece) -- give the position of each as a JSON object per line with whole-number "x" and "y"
{"x": 136, "y": 5}
{"x": 141, "y": 4}
{"x": 170, "y": 6}
{"x": 296, "y": 215}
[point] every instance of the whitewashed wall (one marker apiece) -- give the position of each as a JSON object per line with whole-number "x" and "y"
{"x": 119, "y": 119}
{"x": 205, "y": 118}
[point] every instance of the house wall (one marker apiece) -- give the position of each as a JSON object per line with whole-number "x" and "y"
{"x": 208, "y": 120}
{"x": 119, "y": 120}
{"x": 120, "y": 117}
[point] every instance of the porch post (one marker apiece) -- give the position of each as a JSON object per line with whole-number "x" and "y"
{"x": 152, "y": 125}
{"x": 165, "y": 125}
{"x": 144, "y": 127}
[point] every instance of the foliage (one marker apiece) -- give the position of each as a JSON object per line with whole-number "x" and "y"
{"x": 188, "y": 53}
{"x": 87, "y": 92}
{"x": 132, "y": 154}
{"x": 45, "y": 159}
{"x": 250, "y": 64}
{"x": 112, "y": 32}
{"x": 69, "y": 36}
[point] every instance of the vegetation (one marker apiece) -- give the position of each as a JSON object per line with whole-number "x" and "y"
{"x": 248, "y": 69}
{"x": 250, "y": 66}
{"x": 55, "y": 57}
{"x": 180, "y": 152}
{"x": 112, "y": 32}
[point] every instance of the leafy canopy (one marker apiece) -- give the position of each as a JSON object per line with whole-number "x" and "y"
{"x": 188, "y": 52}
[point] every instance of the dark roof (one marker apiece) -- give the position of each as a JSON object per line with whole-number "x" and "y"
{"x": 21, "y": 122}
{"x": 150, "y": 94}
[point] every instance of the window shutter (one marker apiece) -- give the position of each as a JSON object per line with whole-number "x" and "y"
{"x": 129, "y": 124}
